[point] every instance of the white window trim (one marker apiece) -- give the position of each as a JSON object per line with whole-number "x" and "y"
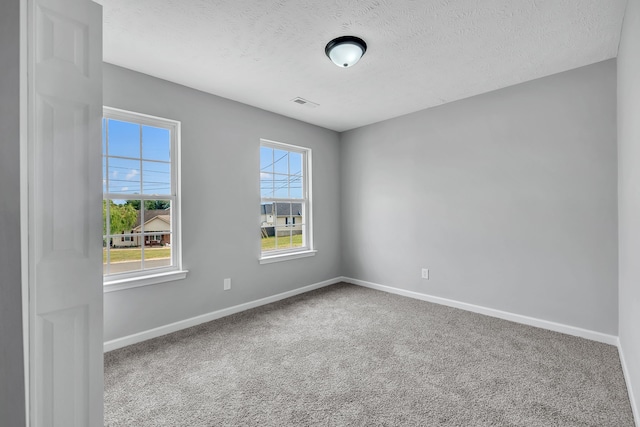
{"x": 287, "y": 256}
{"x": 149, "y": 279}
{"x": 117, "y": 282}
{"x": 307, "y": 177}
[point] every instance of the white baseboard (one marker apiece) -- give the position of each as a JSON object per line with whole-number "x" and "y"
{"x": 627, "y": 379}
{"x": 187, "y": 323}
{"x": 526, "y": 320}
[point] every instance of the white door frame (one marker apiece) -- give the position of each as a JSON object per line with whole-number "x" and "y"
{"x": 24, "y": 204}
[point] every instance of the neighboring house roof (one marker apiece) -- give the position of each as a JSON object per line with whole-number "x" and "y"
{"x": 150, "y": 215}
{"x": 282, "y": 209}
{"x": 165, "y": 218}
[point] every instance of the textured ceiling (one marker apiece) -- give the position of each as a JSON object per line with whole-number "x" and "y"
{"x": 421, "y": 53}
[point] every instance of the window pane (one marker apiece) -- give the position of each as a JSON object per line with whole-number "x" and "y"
{"x": 267, "y": 229}
{"x": 296, "y": 225}
{"x": 281, "y": 186}
{"x": 156, "y": 178}
{"x": 124, "y": 176}
{"x": 296, "y": 193}
{"x": 296, "y": 210}
{"x": 121, "y": 253}
{"x": 157, "y": 234}
{"x": 156, "y": 256}
{"x": 122, "y": 260}
{"x": 157, "y": 218}
{"x": 156, "y": 143}
{"x": 266, "y": 184}
{"x": 281, "y": 161}
{"x": 267, "y": 223}
{"x": 295, "y": 186}
{"x": 124, "y": 139}
{"x": 284, "y": 238}
{"x": 122, "y": 217}
{"x": 295, "y": 163}
{"x": 266, "y": 159}
{"x": 158, "y": 206}
{"x": 283, "y": 210}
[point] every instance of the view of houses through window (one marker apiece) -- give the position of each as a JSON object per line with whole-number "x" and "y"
{"x": 284, "y": 207}
{"x": 139, "y": 194}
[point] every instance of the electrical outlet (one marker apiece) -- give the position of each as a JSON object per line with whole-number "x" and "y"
{"x": 227, "y": 284}
{"x": 425, "y": 273}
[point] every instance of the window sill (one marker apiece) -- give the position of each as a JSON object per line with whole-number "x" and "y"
{"x": 286, "y": 257}
{"x": 149, "y": 279}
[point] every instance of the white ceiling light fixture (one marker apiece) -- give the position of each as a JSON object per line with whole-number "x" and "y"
{"x": 345, "y": 51}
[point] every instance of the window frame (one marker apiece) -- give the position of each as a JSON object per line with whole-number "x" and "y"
{"x": 132, "y": 279}
{"x": 308, "y": 249}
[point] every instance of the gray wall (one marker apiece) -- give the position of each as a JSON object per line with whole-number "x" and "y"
{"x": 12, "y": 402}
{"x": 629, "y": 193}
{"x": 509, "y": 198}
{"x": 220, "y": 204}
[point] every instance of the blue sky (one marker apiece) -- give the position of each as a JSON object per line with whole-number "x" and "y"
{"x": 280, "y": 173}
{"x": 133, "y": 151}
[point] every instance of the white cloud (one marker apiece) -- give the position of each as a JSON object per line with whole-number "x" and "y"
{"x": 123, "y": 189}
{"x": 264, "y": 175}
{"x": 114, "y": 174}
{"x": 131, "y": 175}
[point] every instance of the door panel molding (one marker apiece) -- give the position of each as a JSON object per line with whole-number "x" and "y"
{"x": 64, "y": 110}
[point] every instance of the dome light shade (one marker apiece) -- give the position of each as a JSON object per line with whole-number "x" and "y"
{"x": 345, "y": 51}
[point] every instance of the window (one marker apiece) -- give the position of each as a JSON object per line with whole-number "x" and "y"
{"x": 141, "y": 199}
{"x": 285, "y": 207}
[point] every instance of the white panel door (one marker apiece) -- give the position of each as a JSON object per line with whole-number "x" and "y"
{"x": 64, "y": 57}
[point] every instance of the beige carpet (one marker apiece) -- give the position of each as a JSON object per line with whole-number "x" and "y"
{"x": 347, "y": 355}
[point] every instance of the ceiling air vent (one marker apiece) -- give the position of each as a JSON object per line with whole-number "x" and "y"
{"x": 305, "y": 102}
